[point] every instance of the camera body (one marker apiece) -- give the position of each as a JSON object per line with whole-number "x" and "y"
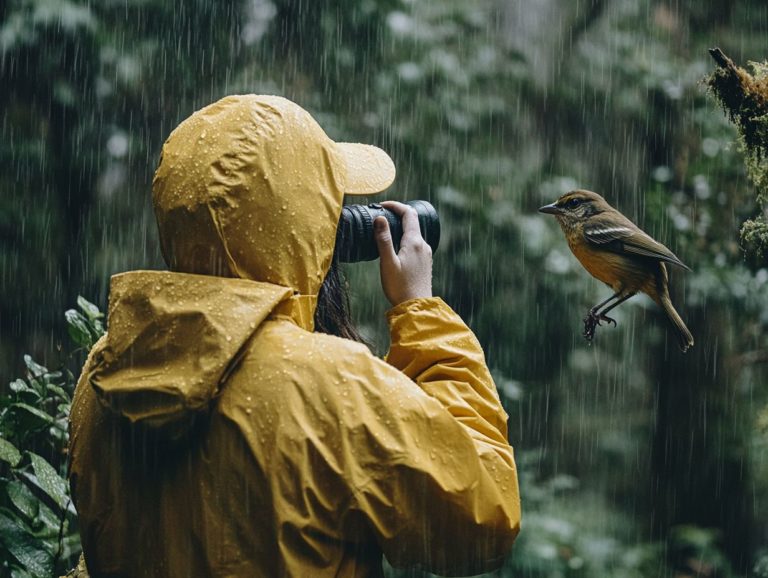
{"x": 355, "y": 239}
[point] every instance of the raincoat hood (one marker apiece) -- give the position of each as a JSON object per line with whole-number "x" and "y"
{"x": 173, "y": 339}
{"x": 252, "y": 187}
{"x": 247, "y": 195}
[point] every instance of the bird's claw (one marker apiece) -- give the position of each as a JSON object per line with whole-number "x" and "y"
{"x": 607, "y": 320}
{"x": 591, "y": 321}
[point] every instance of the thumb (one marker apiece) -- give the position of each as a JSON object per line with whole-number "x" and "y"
{"x": 384, "y": 240}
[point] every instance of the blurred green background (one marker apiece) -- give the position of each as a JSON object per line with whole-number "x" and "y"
{"x": 636, "y": 460}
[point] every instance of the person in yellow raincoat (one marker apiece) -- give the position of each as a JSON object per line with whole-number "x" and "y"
{"x": 215, "y": 432}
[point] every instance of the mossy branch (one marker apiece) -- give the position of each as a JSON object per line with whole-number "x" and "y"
{"x": 744, "y": 97}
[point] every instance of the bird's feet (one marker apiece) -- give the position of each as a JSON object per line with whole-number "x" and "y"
{"x": 592, "y": 320}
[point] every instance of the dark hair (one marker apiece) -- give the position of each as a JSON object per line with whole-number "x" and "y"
{"x": 332, "y": 315}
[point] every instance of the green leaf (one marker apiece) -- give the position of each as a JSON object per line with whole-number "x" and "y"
{"x": 77, "y": 326}
{"x": 35, "y": 368}
{"x": 90, "y": 310}
{"x": 21, "y": 573}
{"x": 49, "y": 480}
{"x": 48, "y": 523}
{"x": 24, "y": 547}
{"x": 30, "y": 395}
{"x": 52, "y": 376}
{"x": 23, "y": 498}
{"x": 9, "y": 453}
{"x": 60, "y": 392}
{"x": 38, "y": 414}
{"x": 59, "y": 436}
{"x": 19, "y": 385}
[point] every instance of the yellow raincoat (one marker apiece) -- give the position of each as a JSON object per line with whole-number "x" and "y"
{"x": 214, "y": 434}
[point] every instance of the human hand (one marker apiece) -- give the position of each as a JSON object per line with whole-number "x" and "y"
{"x": 408, "y": 273}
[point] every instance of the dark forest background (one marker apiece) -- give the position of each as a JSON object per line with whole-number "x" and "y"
{"x": 636, "y": 460}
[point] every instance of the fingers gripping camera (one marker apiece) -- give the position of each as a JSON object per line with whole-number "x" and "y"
{"x": 355, "y": 239}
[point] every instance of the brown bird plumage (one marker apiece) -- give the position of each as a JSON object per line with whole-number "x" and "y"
{"x": 618, "y": 253}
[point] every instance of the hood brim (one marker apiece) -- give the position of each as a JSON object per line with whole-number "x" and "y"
{"x": 368, "y": 170}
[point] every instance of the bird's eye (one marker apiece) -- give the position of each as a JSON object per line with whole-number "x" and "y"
{"x": 573, "y": 203}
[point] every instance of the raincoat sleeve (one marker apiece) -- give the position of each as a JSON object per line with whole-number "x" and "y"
{"x": 449, "y": 501}
{"x": 434, "y": 347}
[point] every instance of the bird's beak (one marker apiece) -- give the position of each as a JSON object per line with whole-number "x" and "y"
{"x": 551, "y": 209}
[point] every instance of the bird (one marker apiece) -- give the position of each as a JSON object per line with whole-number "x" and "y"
{"x": 617, "y": 252}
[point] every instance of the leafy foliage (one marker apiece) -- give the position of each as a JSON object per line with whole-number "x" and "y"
{"x": 38, "y": 524}
{"x": 563, "y": 539}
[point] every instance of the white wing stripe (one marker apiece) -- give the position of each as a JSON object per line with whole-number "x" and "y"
{"x": 607, "y": 231}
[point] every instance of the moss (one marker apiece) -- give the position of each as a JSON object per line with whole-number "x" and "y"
{"x": 757, "y": 167}
{"x": 744, "y": 97}
{"x": 754, "y": 237}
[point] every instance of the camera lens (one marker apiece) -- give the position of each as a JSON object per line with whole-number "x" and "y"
{"x": 355, "y": 240}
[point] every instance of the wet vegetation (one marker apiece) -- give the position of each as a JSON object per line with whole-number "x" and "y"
{"x": 38, "y": 522}
{"x": 636, "y": 460}
{"x": 745, "y": 98}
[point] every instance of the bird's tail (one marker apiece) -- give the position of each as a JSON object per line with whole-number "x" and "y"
{"x": 684, "y": 337}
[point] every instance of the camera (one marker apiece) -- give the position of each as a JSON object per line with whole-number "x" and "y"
{"x": 354, "y": 238}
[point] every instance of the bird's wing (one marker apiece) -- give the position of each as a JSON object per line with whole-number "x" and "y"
{"x": 621, "y": 236}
